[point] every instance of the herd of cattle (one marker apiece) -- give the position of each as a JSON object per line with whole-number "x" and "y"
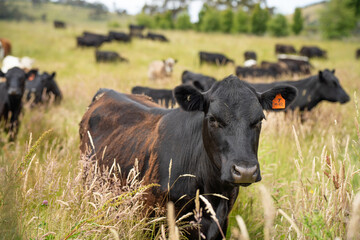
{"x": 210, "y": 143}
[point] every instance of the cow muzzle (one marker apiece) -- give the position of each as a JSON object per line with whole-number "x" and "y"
{"x": 14, "y": 91}
{"x": 244, "y": 176}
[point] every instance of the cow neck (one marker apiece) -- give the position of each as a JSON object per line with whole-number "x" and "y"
{"x": 308, "y": 96}
{"x": 14, "y": 102}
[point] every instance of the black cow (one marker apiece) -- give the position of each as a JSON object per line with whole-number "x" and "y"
{"x": 120, "y": 36}
{"x": 89, "y": 41}
{"x": 156, "y": 37}
{"x": 59, "y": 24}
{"x": 108, "y": 56}
{"x": 324, "y": 86}
{"x": 136, "y": 30}
{"x": 214, "y": 58}
{"x": 11, "y": 93}
{"x": 278, "y": 68}
{"x": 199, "y": 81}
{"x": 357, "y": 53}
{"x": 163, "y": 97}
{"x": 255, "y": 72}
{"x": 214, "y": 136}
{"x": 313, "y": 51}
{"x": 296, "y": 64}
{"x": 250, "y": 55}
{"x": 104, "y": 38}
{"x": 286, "y": 49}
{"x": 42, "y": 88}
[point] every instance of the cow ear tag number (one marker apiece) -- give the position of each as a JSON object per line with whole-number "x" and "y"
{"x": 278, "y": 102}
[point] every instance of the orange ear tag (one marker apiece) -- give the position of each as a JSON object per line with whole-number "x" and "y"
{"x": 278, "y": 102}
{"x": 31, "y": 77}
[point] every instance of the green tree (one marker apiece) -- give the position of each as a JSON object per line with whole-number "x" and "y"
{"x": 278, "y": 26}
{"x": 201, "y": 15}
{"x": 164, "y": 20}
{"x": 211, "y": 21}
{"x": 183, "y": 22}
{"x": 226, "y": 21}
{"x": 298, "y": 22}
{"x": 241, "y": 22}
{"x": 259, "y": 20}
{"x": 337, "y": 20}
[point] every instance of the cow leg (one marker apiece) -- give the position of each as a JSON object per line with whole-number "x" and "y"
{"x": 213, "y": 232}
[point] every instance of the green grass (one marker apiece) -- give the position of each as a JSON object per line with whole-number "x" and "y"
{"x": 52, "y": 173}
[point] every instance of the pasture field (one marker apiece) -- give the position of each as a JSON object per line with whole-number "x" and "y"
{"x": 310, "y": 170}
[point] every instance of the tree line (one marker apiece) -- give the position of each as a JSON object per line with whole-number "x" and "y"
{"x": 339, "y": 18}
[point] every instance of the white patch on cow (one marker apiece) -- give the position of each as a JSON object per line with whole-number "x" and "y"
{"x": 26, "y": 63}
{"x": 9, "y": 62}
{"x": 250, "y": 63}
{"x": 294, "y": 57}
{"x": 2, "y": 51}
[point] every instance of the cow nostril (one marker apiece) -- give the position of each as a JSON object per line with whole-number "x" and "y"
{"x": 236, "y": 171}
{"x": 245, "y": 174}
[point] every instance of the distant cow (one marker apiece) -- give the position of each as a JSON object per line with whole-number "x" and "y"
{"x": 59, "y": 24}
{"x": 255, "y": 72}
{"x": 313, "y": 51}
{"x": 214, "y": 58}
{"x": 25, "y": 63}
{"x": 199, "y": 81}
{"x": 324, "y": 86}
{"x": 156, "y": 37}
{"x": 42, "y": 88}
{"x": 120, "y": 36}
{"x": 161, "y": 69}
{"x": 5, "y": 48}
{"x": 136, "y": 30}
{"x": 89, "y": 41}
{"x": 214, "y": 136}
{"x": 163, "y": 97}
{"x": 11, "y": 93}
{"x": 108, "y": 56}
{"x": 286, "y": 49}
{"x": 103, "y": 37}
{"x": 296, "y": 64}
{"x": 357, "y": 53}
{"x": 278, "y": 68}
{"x": 250, "y": 55}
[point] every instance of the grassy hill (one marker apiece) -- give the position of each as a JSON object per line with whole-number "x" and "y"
{"x": 310, "y": 169}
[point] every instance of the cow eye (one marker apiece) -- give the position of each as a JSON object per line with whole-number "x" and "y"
{"x": 256, "y": 124}
{"x": 214, "y": 122}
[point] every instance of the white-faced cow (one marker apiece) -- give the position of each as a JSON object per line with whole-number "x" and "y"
{"x": 324, "y": 86}
{"x": 213, "y": 136}
{"x": 161, "y": 69}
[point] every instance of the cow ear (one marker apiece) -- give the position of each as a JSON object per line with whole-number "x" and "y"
{"x": 333, "y": 71}
{"x": 175, "y": 61}
{"x": 53, "y": 74}
{"x": 32, "y": 73}
{"x": 278, "y": 98}
{"x": 198, "y": 85}
{"x": 189, "y": 98}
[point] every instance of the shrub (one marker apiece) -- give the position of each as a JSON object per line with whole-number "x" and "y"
{"x": 211, "y": 21}
{"x": 146, "y": 20}
{"x": 298, "y": 23}
{"x": 183, "y": 22}
{"x": 241, "y": 22}
{"x": 226, "y": 20}
{"x": 278, "y": 26}
{"x": 259, "y": 20}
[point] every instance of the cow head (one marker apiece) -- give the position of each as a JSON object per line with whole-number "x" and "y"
{"x": 15, "y": 81}
{"x": 330, "y": 88}
{"x": 169, "y": 65}
{"x": 233, "y": 113}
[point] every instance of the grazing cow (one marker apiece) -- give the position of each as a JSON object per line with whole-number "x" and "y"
{"x": 324, "y": 86}
{"x": 214, "y": 136}
{"x": 96, "y": 35}
{"x": 136, "y": 30}
{"x": 108, "y": 56}
{"x": 357, "y": 55}
{"x": 313, "y": 51}
{"x": 163, "y": 97}
{"x": 250, "y": 55}
{"x": 11, "y": 93}
{"x": 89, "y": 41}
{"x": 278, "y": 68}
{"x": 199, "y": 81}
{"x": 255, "y": 72}
{"x": 5, "y": 48}
{"x": 156, "y": 37}
{"x": 296, "y": 64}
{"x": 161, "y": 69}
{"x": 214, "y": 58}
{"x": 59, "y": 24}
{"x": 286, "y": 49}
{"x": 42, "y": 87}
{"x": 24, "y": 63}
{"x": 120, "y": 36}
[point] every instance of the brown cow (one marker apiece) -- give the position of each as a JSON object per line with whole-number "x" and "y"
{"x": 5, "y": 47}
